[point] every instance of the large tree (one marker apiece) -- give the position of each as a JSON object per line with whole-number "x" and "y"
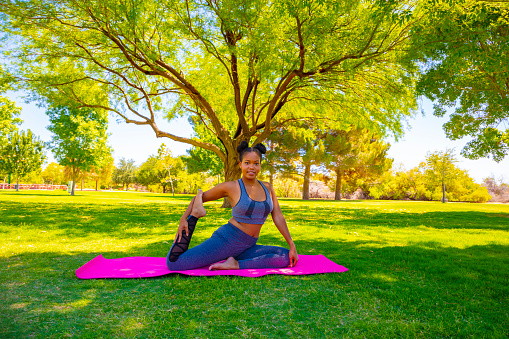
{"x": 466, "y": 67}
{"x": 79, "y": 138}
{"x": 21, "y": 154}
{"x": 242, "y": 68}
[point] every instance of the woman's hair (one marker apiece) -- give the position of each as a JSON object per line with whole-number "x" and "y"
{"x": 244, "y": 148}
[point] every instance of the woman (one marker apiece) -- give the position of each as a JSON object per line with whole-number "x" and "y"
{"x": 252, "y": 202}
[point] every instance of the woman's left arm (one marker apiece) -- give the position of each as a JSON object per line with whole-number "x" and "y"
{"x": 280, "y": 222}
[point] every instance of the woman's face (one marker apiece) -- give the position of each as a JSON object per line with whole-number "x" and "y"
{"x": 250, "y": 165}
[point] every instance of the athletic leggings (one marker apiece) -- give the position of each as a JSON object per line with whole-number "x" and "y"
{"x": 229, "y": 241}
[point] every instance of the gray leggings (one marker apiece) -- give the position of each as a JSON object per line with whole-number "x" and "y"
{"x": 229, "y": 241}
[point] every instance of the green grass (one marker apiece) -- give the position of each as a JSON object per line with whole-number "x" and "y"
{"x": 417, "y": 270}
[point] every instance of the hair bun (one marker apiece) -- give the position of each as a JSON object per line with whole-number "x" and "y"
{"x": 261, "y": 148}
{"x": 243, "y": 145}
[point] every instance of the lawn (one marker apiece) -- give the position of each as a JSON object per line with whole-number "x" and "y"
{"x": 417, "y": 270}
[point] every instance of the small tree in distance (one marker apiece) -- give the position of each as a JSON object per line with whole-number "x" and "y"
{"x": 440, "y": 166}
{"x": 21, "y": 154}
{"x": 125, "y": 173}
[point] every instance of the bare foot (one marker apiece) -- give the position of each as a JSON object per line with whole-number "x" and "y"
{"x": 229, "y": 264}
{"x": 198, "y": 210}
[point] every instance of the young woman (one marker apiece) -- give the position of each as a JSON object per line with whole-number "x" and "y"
{"x": 252, "y": 201}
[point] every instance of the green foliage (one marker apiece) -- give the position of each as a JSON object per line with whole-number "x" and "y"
{"x": 242, "y": 69}
{"x": 425, "y": 183}
{"x": 168, "y": 172}
{"x": 54, "y": 174}
{"x": 22, "y": 154}
{"x": 355, "y": 155}
{"x": 9, "y": 113}
{"x": 79, "y": 138}
{"x": 465, "y": 49}
{"x": 125, "y": 173}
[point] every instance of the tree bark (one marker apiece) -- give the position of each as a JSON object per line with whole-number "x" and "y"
{"x": 305, "y": 187}
{"x": 271, "y": 179}
{"x": 17, "y": 183}
{"x": 232, "y": 172}
{"x": 337, "y": 192}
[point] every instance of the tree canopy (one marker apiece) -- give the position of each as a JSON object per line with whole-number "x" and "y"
{"x": 466, "y": 66}
{"x": 241, "y": 68}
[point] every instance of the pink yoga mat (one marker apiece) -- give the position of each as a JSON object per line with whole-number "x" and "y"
{"x": 146, "y": 267}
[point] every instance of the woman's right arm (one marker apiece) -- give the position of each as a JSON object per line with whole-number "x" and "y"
{"x": 217, "y": 192}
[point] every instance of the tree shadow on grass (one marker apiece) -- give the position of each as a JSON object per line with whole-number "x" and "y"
{"x": 418, "y": 290}
{"x": 355, "y": 217}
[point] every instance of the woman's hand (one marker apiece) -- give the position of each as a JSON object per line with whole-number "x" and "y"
{"x": 183, "y": 227}
{"x": 294, "y": 257}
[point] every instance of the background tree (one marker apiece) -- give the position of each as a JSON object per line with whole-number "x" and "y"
{"x": 125, "y": 173}
{"x": 439, "y": 168}
{"x": 53, "y": 174}
{"x": 466, "y": 66}
{"x": 243, "y": 68}
{"x": 79, "y": 138}
{"x": 355, "y": 153}
{"x": 498, "y": 190}
{"x": 102, "y": 172}
{"x": 168, "y": 164}
{"x": 21, "y": 154}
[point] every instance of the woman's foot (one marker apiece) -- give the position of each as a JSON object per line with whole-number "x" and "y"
{"x": 198, "y": 210}
{"x": 229, "y": 264}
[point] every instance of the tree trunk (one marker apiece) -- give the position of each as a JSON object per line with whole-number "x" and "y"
{"x": 337, "y": 192}
{"x": 73, "y": 184}
{"x": 271, "y": 179}
{"x": 232, "y": 172}
{"x": 164, "y": 189}
{"x": 305, "y": 188}
{"x": 17, "y": 183}
{"x": 82, "y": 184}
{"x": 96, "y": 184}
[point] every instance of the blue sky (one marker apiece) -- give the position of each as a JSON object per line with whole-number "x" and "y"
{"x": 424, "y": 134}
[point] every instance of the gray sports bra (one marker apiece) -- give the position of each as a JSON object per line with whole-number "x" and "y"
{"x": 250, "y": 211}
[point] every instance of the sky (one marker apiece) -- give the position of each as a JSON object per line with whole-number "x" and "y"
{"x": 423, "y": 134}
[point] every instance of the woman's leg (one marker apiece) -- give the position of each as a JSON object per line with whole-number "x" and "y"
{"x": 181, "y": 246}
{"x": 257, "y": 256}
{"x": 227, "y": 241}
{"x": 260, "y": 256}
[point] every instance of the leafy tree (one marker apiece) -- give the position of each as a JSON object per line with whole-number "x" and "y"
{"x": 102, "y": 173}
{"x": 420, "y": 183}
{"x": 355, "y": 153}
{"x": 79, "y": 140}
{"x": 53, "y": 174}
{"x": 242, "y": 68}
{"x": 9, "y": 112}
{"x": 440, "y": 168}
{"x": 125, "y": 173}
{"x": 466, "y": 66}
{"x": 21, "y": 154}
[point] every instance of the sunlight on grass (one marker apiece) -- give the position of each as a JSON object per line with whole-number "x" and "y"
{"x": 417, "y": 269}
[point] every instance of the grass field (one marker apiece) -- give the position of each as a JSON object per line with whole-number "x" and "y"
{"x": 417, "y": 270}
